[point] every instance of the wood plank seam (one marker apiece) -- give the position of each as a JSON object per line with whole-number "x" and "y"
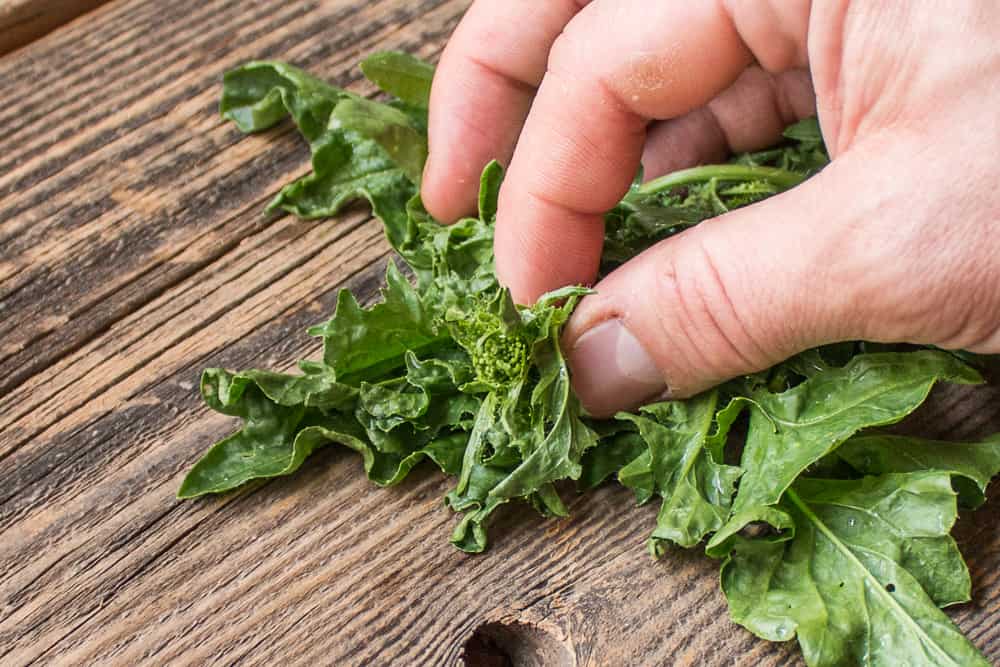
{"x": 341, "y": 233}
{"x": 81, "y": 452}
{"x": 72, "y": 40}
{"x": 28, "y": 437}
{"x": 23, "y": 374}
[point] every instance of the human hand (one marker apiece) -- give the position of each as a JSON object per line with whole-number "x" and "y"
{"x": 897, "y": 240}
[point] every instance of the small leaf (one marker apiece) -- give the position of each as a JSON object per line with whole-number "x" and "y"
{"x": 489, "y": 191}
{"x": 375, "y": 340}
{"x": 392, "y": 129}
{"x": 401, "y": 75}
{"x": 696, "y": 490}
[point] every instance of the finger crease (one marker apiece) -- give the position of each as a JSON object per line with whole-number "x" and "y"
{"x": 636, "y": 122}
{"x": 507, "y": 78}
{"x": 713, "y": 272}
{"x": 572, "y": 210}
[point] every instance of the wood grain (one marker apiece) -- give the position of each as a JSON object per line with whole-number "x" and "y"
{"x": 22, "y": 21}
{"x": 134, "y": 253}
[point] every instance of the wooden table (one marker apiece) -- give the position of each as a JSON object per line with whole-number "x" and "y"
{"x": 133, "y": 253}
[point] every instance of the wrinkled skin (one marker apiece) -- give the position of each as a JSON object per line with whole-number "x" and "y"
{"x": 897, "y": 240}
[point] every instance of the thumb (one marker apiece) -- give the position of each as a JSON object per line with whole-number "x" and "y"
{"x": 734, "y": 295}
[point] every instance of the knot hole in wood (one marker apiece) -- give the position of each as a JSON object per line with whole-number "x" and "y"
{"x": 516, "y": 644}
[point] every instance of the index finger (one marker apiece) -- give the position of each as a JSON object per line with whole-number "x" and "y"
{"x": 481, "y": 93}
{"x": 617, "y": 65}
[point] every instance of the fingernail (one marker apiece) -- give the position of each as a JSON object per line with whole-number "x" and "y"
{"x": 612, "y": 371}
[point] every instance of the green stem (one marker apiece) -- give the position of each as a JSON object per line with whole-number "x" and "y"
{"x": 724, "y": 172}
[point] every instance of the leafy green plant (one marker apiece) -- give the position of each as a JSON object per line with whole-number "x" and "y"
{"x": 828, "y": 530}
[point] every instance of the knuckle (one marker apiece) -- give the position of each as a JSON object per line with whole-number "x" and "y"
{"x": 568, "y": 48}
{"x": 695, "y": 308}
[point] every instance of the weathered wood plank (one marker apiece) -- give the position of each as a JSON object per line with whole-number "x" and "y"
{"x": 22, "y": 21}
{"x": 133, "y": 253}
{"x": 57, "y": 226}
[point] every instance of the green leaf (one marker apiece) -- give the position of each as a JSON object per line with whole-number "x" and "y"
{"x": 696, "y": 490}
{"x": 476, "y": 445}
{"x": 971, "y": 464}
{"x": 805, "y": 130}
{"x": 561, "y": 438}
{"x": 477, "y": 505}
{"x": 447, "y": 371}
{"x": 847, "y": 582}
{"x": 390, "y": 128}
{"x": 375, "y": 340}
{"x": 347, "y": 164}
{"x": 724, "y": 419}
{"x": 259, "y": 94}
{"x": 793, "y": 429}
{"x": 401, "y": 75}
{"x": 609, "y": 456}
{"x": 264, "y": 447}
{"x": 346, "y": 168}
{"x": 393, "y": 402}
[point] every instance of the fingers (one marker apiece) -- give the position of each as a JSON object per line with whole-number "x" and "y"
{"x": 616, "y": 65}
{"x": 481, "y": 93}
{"x": 731, "y": 296}
{"x": 748, "y": 115}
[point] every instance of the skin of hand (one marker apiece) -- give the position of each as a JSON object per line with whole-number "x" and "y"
{"x": 897, "y": 240}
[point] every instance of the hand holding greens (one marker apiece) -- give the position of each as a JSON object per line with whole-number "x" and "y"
{"x": 828, "y": 530}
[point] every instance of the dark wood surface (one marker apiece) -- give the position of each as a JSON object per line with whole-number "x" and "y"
{"x": 22, "y": 21}
{"x": 133, "y": 253}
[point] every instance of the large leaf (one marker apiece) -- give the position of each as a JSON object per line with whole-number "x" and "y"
{"x": 848, "y": 582}
{"x": 793, "y": 429}
{"x": 274, "y": 408}
{"x": 262, "y": 448}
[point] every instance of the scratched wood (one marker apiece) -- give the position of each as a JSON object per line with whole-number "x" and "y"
{"x": 133, "y": 253}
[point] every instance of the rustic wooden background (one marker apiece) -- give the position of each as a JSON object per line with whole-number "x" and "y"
{"x": 133, "y": 253}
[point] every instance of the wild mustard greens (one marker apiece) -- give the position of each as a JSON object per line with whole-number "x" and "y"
{"x": 857, "y": 558}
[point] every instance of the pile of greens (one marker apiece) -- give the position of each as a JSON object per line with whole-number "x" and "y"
{"x": 828, "y": 530}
